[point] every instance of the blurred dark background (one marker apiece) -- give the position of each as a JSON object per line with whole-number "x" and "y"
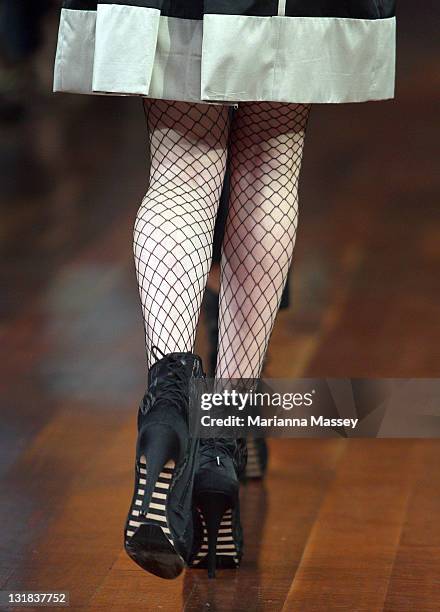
{"x": 365, "y": 288}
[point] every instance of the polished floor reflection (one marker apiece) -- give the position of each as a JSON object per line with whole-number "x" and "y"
{"x": 338, "y": 524}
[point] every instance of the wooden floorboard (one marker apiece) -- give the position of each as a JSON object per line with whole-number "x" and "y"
{"x": 74, "y": 538}
{"x": 415, "y": 579}
{"x": 349, "y": 556}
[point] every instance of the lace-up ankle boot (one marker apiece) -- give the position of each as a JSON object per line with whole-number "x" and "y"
{"x": 159, "y": 527}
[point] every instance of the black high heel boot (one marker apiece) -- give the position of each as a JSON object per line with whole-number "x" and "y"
{"x": 218, "y": 538}
{"x": 159, "y": 527}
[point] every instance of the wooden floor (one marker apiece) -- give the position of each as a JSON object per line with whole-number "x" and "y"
{"x": 338, "y": 525}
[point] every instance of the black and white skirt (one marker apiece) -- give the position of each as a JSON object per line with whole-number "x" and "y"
{"x": 228, "y": 51}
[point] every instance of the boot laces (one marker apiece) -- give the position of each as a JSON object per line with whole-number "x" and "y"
{"x": 173, "y": 387}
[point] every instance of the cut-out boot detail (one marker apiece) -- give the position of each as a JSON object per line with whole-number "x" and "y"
{"x": 218, "y": 540}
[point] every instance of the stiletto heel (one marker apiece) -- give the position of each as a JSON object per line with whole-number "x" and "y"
{"x": 149, "y": 541}
{"x": 157, "y": 448}
{"x": 213, "y": 508}
{"x": 218, "y": 537}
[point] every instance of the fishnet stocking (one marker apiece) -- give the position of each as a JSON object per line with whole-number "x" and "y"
{"x": 266, "y": 146}
{"x": 174, "y": 226}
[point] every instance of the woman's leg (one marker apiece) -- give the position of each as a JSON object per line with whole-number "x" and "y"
{"x": 266, "y": 146}
{"x": 173, "y": 236}
{"x": 174, "y": 225}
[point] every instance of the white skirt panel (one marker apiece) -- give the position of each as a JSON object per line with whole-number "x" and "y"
{"x": 129, "y": 50}
{"x": 75, "y": 56}
{"x": 125, "y": 49}
{"x": 306, "y": 59}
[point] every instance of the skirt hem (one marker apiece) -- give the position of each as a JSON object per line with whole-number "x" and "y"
{"x": 126, "y": 50}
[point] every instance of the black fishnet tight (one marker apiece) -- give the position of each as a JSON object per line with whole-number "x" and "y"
{"x": 266, "y": 148}
{"x": 174, "y": 225}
